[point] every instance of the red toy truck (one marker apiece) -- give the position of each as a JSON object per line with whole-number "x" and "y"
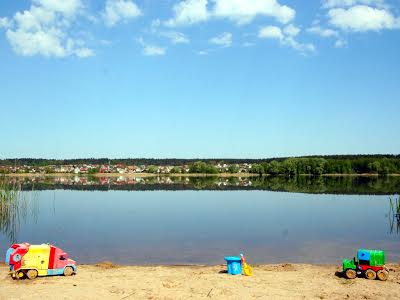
{"x": 38, "y": 260}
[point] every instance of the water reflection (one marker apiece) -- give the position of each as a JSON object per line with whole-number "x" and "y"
{"x": 300, "y": 184}
{"x": 202, "y": 227}
{"x": 163, "y": 227}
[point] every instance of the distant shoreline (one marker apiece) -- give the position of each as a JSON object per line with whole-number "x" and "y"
{"x": 137, "y": 175}
{"x": 223, "y": 175}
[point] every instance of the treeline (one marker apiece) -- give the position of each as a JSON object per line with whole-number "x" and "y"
{"x": 38, "y": 162}
{"x": 319, "y": 166}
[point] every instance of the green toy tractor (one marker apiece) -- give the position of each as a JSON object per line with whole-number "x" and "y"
{"x": 370, "y": 263}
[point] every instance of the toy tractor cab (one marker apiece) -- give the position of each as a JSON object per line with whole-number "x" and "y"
{"x": 371, "y": 263}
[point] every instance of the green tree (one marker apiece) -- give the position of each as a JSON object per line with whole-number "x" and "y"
{"x": 257, "y": 169}
{"x": 176, "y": 170}
{"x": 202, "y": 167}
{"x": 375, "y": 167}
{"x": 49, "y": 170}
{"x": 289, "y": 166}
{"x": 152, "y": 169}
{"x": 93, "y": 170}
{"x": 274, "y": 168}
{"x": 233, "y": 169}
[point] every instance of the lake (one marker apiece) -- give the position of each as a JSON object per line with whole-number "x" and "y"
{"x": 200, "y": 220}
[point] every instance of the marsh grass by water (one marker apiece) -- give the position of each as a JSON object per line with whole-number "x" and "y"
{"x": 15, "y": 207}
{"x": 394, "y": 215}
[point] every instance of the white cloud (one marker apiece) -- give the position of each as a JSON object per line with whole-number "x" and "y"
{"x": 347, "y": 3}
{"x": 5, "y": 23}
{"x": 117, "y": 11}
{"x": 46, "y": 43}
{"x": 323, "y": 32}
{"x": 189, "y": 12}
{"x": 285, "y": 39}
{"x": 34, "y": 19}
{"x": 44, "y": 30}
{"x": 291, "y": 30}
{"x": 362, "y": 18}
{"x": 84, "y": 52}
{"x": 244, "y": 11}
{"x": 340, "y": 43}
{"x": 176, "y": 37}
{"x": 67, "y": 7}
{"x": 303, "y": 48}
{"x": 151, "y": 50}
{"x": 270, "y": 32}
{"x": 224, "y": 40}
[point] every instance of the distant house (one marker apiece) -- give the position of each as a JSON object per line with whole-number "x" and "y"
{"x": 121, "y": 170}
{"x": 132, "y": 169}
{"x": 103, "y": 169}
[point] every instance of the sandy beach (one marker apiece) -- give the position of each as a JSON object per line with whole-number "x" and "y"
{"x": 283, "y": 281}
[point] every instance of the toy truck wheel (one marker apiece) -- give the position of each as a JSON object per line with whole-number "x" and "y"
{"x": 382, "y": 275}
{"x": 68, "y": 271}
{"x": 351, "y": 274}
{"x": 19, "y": 275}
{"x": 32, "y": 274}
{"x": 370, "y": 274}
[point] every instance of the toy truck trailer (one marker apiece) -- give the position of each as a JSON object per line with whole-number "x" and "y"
{"x": 38, "y": 260}
{"x": 371, "y": 263}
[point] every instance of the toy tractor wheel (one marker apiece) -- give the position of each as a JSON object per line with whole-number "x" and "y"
{"x": 68, "y": 271}
{"x": 382, "y": 275}
{"x": 32, "y": 274}
{"x": 370, "y": 274}
{"x": 351, "y": 274}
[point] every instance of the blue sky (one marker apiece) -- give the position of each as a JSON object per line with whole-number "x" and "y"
{"x": 198, "y": 78}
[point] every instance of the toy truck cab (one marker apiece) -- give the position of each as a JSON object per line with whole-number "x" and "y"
{"x": 38, "y": 260}
{"x": 371, "y": 263}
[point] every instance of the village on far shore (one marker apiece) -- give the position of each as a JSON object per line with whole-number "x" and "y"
{"x": 315, "y": 166}
{"x": 83, "y": 169}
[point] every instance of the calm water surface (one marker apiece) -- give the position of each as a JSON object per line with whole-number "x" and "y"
{"x": 201, "y": 227}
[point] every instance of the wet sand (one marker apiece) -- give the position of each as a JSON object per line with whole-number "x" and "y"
{"x": 282, "y": 281}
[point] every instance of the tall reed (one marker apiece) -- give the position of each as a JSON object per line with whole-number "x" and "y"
{"x": 12, "y": 209}
{"x": 394, "y": 215}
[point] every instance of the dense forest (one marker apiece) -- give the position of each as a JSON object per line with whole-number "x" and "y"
{"x": 311, "y": 165}
{"x": 319, "y": 166}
